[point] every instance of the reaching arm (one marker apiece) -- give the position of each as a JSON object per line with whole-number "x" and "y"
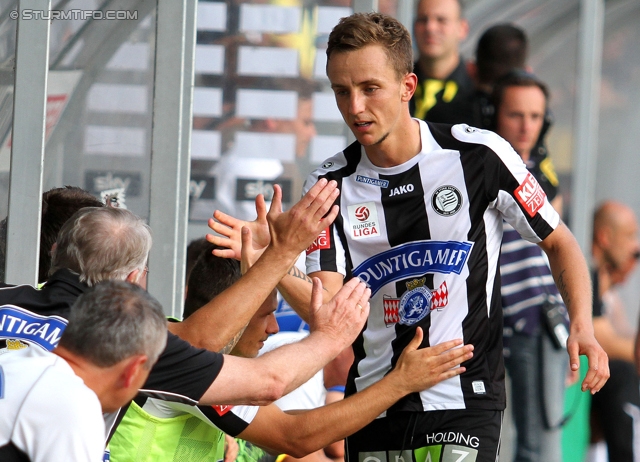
{"x": 261, "y": 380}
{"x": 571, "y": 274}
{"x": 298, "y": 433}
{"x": 297, "y": 291}
{"x": 295, "y": 285}
{"x": 291, "y": 232}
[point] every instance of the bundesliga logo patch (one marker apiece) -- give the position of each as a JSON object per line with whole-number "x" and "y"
{"x": 530, "y": 195}
{"x": 408, "y": 309}
{"x": 363, "y": 220}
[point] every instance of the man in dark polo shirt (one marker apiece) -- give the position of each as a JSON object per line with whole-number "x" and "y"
{"x": 444, "y": 89}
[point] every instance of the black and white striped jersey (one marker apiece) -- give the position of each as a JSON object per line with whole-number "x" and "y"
{"x": 425, "y": 236}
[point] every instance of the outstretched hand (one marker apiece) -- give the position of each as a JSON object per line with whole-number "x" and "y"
{"x": 297, "y": 228}
{"x": 344, "y": 315}
{"x": 230, "y": 231}
{"x": 248, "y": 254}
{"x": 426, "y": 367}
{"x": 293, "y": 230}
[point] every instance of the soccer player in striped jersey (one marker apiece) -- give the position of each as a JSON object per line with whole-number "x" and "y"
{"x": 421, "y": 211}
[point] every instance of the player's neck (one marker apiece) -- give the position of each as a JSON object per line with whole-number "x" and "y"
{"x": 440, "y": 68}
{"x": 399, "y": 147}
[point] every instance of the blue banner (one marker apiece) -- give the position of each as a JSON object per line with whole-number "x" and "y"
{"x": 18, "y": 323}
{"x": 413, "y": 260}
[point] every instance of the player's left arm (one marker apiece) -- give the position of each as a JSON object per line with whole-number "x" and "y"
{"x": 571, "y": 274}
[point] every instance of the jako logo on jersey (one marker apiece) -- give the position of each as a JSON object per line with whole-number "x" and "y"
{"x": 413, "y": 260}
{"x": 322, "y": 242}
{"x": 391, "y": 306}
{"x": 18, "y": 323}
{"x": 222, "y": 409}
{"x": 530, "y": 195}
{"x": 363, "y": 219}
{"x": 401, "y": 190}
{"x": 372, "y": 181}
{"x": 327, "y": 165}
{"x": 446, "y": 200}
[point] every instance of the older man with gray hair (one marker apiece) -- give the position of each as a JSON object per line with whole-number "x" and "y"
{"x": 54, "y": 400}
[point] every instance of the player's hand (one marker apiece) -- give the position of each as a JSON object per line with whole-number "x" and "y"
{"x": 231, "y": 449}
{"x": 572, "y": 377}
{"x": 248, "y": 254}
{"x": 295, "y": 230}
{"x": 230, "y": 231}
{"x": 583, "y": 342}
{"x": 423, "y": 368}
{"x": 342, "y": 317}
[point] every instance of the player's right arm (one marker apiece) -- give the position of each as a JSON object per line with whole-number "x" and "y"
{"x": 298, "y": 433}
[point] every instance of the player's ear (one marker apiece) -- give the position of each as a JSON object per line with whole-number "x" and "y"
{"x": 464, "y": 29}
{"x": 409, "y": 85}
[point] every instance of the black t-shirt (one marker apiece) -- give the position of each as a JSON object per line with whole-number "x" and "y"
{"x": 444, "y": 101}
{"x": 183, "y": 373}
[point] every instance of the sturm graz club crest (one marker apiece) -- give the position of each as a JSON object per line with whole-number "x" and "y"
{"x": 415, "y": 304}
{"x": 391, "y": 305}
{"x": 446, "y": 200}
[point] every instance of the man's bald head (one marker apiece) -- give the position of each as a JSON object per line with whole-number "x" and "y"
{"x": 616, "y": 248}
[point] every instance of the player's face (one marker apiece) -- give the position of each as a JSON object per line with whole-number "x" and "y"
{"x": 520, "y": 117}
{"x": 262, "y": 325}
{"x": 438, "y": 28}
{"x": 370, "y": 95}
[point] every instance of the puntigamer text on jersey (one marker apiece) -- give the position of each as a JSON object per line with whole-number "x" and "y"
{"x": 413, "y": 259}
{"x": 44, "y": 331}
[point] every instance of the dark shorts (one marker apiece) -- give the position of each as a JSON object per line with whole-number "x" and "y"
{"x": 434, "y": 436}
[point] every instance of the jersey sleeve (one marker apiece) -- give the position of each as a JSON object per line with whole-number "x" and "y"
{"x": 60, "y": 423}
{"x": 183, "y": 372}
{"x": 511, "y": 189}
{"x": 327, "y": 252}
{"x": 232, "y": 420}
